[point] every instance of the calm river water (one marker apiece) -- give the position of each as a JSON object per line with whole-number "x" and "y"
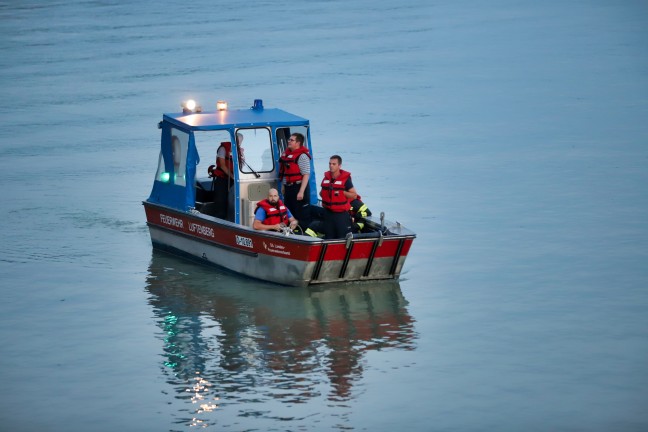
{"x": 511, "y": 136}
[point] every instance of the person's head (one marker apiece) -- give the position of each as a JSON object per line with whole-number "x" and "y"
{"x": 295, "y": 141}
{"x": 239, "y": 138}
{"x": 335, "y": 163}
{"x": 273, "y": 196}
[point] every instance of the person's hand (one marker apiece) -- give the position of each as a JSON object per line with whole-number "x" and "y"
{"x": 293, "y": 224}
{"x": 300, "y": 196}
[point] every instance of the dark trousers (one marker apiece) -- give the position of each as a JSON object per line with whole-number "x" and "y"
{"x": 336, "y": 224}
{"x": 300, "y": 209}
{"x": 221, "y": 190}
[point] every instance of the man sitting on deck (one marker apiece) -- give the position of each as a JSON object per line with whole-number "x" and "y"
{"x": 272, "y": 214}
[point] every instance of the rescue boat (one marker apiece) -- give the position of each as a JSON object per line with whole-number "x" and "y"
{"x": 180, "y": 210}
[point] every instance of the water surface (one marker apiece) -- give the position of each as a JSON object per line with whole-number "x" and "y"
{"x": 510, "y": 136}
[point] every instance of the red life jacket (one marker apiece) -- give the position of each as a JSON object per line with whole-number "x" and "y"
{"x": 230, "y": 162}
{"x": 274, "y": 213}
{"x": 289, "y": 168}
{"x": 333, "y": 197}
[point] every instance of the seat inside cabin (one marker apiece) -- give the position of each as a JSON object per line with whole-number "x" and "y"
{"x": 255, "y": 193}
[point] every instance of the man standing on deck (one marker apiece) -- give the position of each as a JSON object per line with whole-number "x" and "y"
{"x": 337, "y": 192}
{"x": 294, "y": 173}
{"x": 223, "y": 174}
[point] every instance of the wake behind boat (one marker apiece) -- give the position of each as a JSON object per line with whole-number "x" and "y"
{"x": 181, "y": 211}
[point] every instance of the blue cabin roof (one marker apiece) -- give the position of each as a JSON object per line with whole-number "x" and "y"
{"x": 234, "y": 118}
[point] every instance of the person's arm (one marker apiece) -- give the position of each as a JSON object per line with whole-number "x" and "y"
{"x": 291, "y": 219}
{"x": 304, "y": 169}
{"x": 351, "y": 194}
{"x": 259, "y": 217}
{"x": 350, "y": 191}
{"x": 260, "y": 226}
{"x": 302, "y": 187}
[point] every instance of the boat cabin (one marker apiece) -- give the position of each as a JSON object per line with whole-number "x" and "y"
{"x": 190, "y": 141}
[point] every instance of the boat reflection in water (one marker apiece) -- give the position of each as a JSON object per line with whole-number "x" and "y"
{"x": 229, "y": 340}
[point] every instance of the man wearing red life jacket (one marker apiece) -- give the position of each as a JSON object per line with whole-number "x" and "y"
{"x": 294, "y": 173}
{"x": 223, "y": 174}
{"x": 337, "y": 192}
{"x": 272, "y": 214}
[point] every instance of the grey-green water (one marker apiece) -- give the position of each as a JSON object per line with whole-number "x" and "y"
{"x": 510, "y": 135}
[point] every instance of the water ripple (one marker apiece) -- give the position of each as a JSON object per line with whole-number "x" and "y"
{"x": 270, "y": 346}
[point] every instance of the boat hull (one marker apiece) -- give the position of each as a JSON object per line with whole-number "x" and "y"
{"x": 289, "y": 260}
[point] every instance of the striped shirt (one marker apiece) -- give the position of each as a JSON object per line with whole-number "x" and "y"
{"x": 304, "y": 165}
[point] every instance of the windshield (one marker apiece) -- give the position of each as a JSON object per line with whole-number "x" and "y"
{"x": 255, "y": 155}
{"x": 256, "y": 148}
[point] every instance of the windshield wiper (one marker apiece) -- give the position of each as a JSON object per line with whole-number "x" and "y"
{"x": 256, "y": 174}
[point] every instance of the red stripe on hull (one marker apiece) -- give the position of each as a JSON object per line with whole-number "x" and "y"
{"x": 362, "y": 249}
{"x": 250, "y": 241}
{"x": 241, "y": 239}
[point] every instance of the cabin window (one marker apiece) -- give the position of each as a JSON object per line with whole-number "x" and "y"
{"x": 283, "y": 134}
{"x": 179, "y": 142}
{"x": 208, "y": 143}
{"x": 172, "y": 169}
{"x": 256, "y": 146}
